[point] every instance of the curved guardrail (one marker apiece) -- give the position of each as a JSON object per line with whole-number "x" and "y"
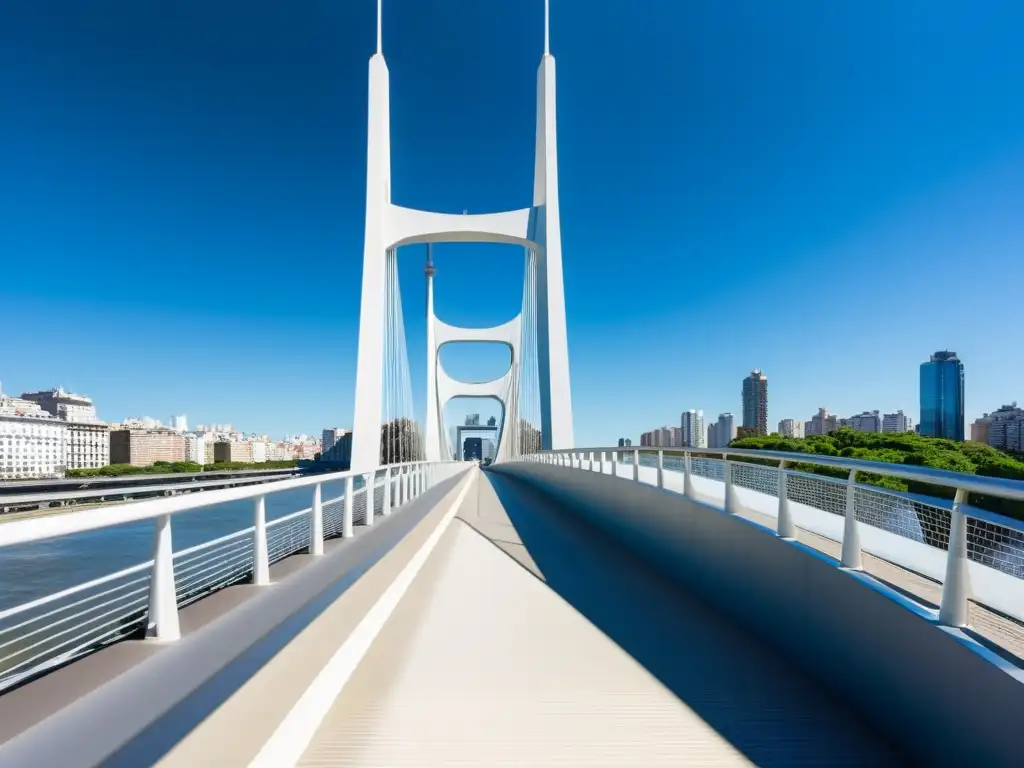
{"x": 50, "y": 631}
{"x": 962, "y": 537}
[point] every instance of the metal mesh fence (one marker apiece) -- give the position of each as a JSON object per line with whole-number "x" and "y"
{"x": 997, "y": 546}
{"x": 756, "y": 477}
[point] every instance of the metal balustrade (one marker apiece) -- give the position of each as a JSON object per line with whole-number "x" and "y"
{"x": 962, "y": 536}
{"x": 145, "y": 598}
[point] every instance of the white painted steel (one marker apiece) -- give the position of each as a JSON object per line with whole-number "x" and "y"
{"x": 983, "y": 561}
{"x": 851, "y": 554}
{"x": 52, "y": 630}
{"x": 163, "y": 602}
{"x": 316, "y": 522}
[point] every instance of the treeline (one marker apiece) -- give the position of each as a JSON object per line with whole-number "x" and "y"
{"x": 169, "y": 467}
{"x": 903, "y": 448}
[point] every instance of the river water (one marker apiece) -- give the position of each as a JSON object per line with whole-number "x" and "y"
{"x": 31, "y": 571}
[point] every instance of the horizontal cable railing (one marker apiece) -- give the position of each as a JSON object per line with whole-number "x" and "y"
{"x": 143, "y": 600}
{"x": 959, "y": 534}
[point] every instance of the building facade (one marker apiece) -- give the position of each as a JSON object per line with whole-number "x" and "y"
{"x": 331, "y": 436}
{"x": 755, "y": 402}
{"x": 195, "y": 448}
{"x": 942, "y": 396}
{"x": 145, "y": 447}
{"x": 791, "y": 428}
{"x": 233, "y": 450}
{"x": 86, "y": 439}
{"x": 32, "y": 441}
{"x": 722, "y": 432}
{"x": 868, "y": 421}
{"x": 821, "y": 423}
{"x": 692, "y": 429}
{"x": 1003, "y": 429}
{"x": 897, "y": 422}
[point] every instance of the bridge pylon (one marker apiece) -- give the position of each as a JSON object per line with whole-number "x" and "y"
{"x": 536, "y": 227}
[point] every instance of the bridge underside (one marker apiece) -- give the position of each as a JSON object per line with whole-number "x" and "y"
{"x": 517, "y": 635}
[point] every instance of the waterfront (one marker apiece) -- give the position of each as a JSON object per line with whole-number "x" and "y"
{"x": 31, "y": 571}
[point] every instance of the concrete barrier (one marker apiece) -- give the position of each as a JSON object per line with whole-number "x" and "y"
{"x": 940, "y": 695}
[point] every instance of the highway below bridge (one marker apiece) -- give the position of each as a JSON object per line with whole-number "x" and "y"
{"x": 25, "y": 496}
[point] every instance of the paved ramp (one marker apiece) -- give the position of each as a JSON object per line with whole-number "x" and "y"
{"x": 528, "y": 639}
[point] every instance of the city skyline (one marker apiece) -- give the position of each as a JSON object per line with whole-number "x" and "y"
{"x": 211, "y": 200}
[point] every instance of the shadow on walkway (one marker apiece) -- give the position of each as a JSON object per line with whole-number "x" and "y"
{"x": 768, "y": 710}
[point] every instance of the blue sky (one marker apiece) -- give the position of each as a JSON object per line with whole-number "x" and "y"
{"x": 826, "y": 191}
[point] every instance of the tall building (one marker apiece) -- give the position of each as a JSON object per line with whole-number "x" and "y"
{"x": 868, "y": 421}
{"x": 32, "y": 441}
{"x": 676, "y": 439}
{"x": 897, "y": 422}
{"x": 821, "y": 423}
{"x": 341, "y": 451}
{"x": 179, "y": 423}
{"x": 472, "y": 420}
{"x": 755, "y": 402}
{"x": 722, "y": 432}
{"x": 144, "y": 447}
{"x": 692, "y": 429}
{"x": 942, "y": 396}
{"x": 625, "y": 442}
{"x": 492, "y": 422}
{"x": 332, "y": 436}
{"x": 647, "y": 439}
{"x": 87, "y": 439}
{"x": 791, "y": 428}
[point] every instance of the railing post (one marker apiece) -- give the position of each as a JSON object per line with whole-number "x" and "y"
{"x": 731, "y": 504}
{"x": 162, "y": 620}
{"x": 661, "y": 469}
{"x": 956, "y": 589}
{"x": 785, "y": 527}
{"x": 615, "y": 464}
{"x": 687, "y": 476}
{"x": 851, "y": 557}
{"x": 260, "y": 558}
{"x": 406, "y": 496}
{"x": 316, "y": 522}
{"x": 346, "y": 515}
{"x": 370, "y": 486}
{"x": 385, "y": 507}
{"x": 636, "y": 466}
{"x": 593, "y": 462}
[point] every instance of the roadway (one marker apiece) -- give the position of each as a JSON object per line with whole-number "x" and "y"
{"x": 504, "y": 631}
{"x": 122, "y": 488}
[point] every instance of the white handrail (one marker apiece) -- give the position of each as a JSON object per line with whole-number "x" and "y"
{"x": 956, "y": 585}
{"x": 67, "y": 623}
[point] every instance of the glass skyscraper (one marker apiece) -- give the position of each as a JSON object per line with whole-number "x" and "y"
{"x": 942, "y": 396}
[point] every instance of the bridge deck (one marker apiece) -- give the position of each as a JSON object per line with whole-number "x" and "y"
{"x": 527, "y": 639}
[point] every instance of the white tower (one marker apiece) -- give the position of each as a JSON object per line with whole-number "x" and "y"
{"x": 389, "y": 226}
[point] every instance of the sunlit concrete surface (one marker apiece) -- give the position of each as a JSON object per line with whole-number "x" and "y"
{"x": 528, "y": 639}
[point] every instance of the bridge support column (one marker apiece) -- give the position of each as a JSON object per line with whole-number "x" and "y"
{"x": 785, "y": 527}
{"x": 346, "y": 515}
{"x": 316, "y": 522}
{"x": 162, "y": 622}
{"x": 260, "y": 556}
{"x": 851, "y": 556}
{"x": 956, "y": 589}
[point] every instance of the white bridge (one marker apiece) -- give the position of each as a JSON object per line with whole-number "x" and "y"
{"x": 569, "y": 606}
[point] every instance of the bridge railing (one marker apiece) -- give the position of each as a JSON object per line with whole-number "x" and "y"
{"x": 50, "y": 631}
{"x": 972, "y": 553}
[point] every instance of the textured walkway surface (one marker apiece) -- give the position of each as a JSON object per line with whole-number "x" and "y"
{"x": 529, "y": 640}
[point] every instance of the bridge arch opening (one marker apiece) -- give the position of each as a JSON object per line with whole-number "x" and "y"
{"x": 475, "y": 362}
{"x": 476, "y": 420}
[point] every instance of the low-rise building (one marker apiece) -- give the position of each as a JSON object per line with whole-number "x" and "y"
{"x": 1003, "y": 428}
{"x": 821, "y": 423}
{"x": 868, "y": 421}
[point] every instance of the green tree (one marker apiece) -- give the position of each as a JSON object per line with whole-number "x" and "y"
{"x": 902, "y": 448}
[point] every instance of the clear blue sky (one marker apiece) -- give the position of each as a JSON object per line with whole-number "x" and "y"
{"x": 827, "y": 191}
